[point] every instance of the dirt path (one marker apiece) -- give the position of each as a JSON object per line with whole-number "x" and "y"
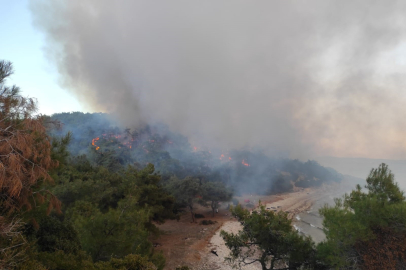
{"x": 186, "y": 243}
{"x": 182, "y": 241}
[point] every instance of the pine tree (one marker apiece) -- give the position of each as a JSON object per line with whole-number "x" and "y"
{"x": 25, "y": 159}
{"x": 367, "y": 230}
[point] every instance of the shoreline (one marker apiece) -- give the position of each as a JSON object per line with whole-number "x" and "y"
{"x": 295, "y": 202}
{"x": 190, "y": 244}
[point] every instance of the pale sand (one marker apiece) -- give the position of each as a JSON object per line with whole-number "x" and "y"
{"x": 295, "y": 203}
{"x": 211, "y": 261}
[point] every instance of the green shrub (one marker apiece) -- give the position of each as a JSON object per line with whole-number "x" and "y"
{"x": 129, "y": 262}
{"x": 183, "y": 268}
{"x": 207, "y": 222}
{"x": 199, "y": 216}
{"x": 54, "y": 235}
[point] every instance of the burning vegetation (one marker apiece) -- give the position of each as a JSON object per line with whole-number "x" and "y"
{"x": 106, "y": 190}
{"x": 173, "y": 155}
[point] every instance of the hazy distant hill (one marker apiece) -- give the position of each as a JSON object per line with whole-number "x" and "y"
{"x": 96, "y": 136}
{"x": 360, "y": 167}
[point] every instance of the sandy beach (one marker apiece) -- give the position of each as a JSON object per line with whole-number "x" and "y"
{"x": 190, "y": 244}
{"x": 294, "y": 203}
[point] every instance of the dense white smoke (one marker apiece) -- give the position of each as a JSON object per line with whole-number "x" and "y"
{"x": 297, "y": 78}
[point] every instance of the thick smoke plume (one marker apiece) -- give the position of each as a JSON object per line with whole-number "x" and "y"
{"x": 295, "y": 78}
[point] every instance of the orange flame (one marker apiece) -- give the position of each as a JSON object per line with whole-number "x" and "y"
{"x": 122, "y": 139}
{"x": 94, "y": 141}
{"x": 245, "y": 163}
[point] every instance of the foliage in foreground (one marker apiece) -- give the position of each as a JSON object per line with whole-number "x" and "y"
{"x": 106, "y": 217}
{"x": 367, "y": 230}
{"x": 105, "y": 224}
{"x": 364, "y": 230}
{"x": 269, "y": 239}
{"x": 25, "y": 161}
{"x": 192, "y": 190}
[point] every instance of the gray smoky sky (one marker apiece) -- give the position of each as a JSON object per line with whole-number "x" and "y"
{"x": 295, "y": 78}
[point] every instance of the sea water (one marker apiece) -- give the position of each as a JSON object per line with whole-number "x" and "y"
{"x": 310, "y": 222}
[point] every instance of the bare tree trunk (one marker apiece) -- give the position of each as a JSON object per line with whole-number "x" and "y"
{"x": 193, "y": 214}
{"x": 263, "y": 265}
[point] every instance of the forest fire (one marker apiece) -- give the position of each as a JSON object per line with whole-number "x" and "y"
{"x": 222, "y": 157}
{"x": 94, "y": 143}
{"x": 127, "y": 140}
{"x": 124, "y": 140}
{"x": 106, "y": 140}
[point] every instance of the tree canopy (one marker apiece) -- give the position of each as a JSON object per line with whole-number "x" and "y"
{"x": 25, "y": 161}
{"x": 367, "y": 230}
{"x": 97, "y": 136}
{"x": 186, "y": 191}
{"x": 269, "y": 239}
{"x": 107, "y": 214}
{"x": 25, "y": 148}
{"x": 215, "y": 192}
